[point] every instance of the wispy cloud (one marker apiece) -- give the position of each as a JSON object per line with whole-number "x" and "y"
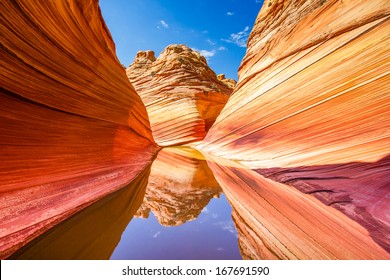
{"x": 156, "y": 234}
{"x": 212, "y": 43}
{"x": 222, "y": 48}
{"x": 229, "y": 13}
{"x": 239, "y": 38}
{"x": 163, "y": 24}
{"x": 228, "y": 226}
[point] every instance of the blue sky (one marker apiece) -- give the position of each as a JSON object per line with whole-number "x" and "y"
{"x": 218, "y": 29}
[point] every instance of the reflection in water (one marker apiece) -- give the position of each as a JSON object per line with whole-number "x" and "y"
{"x": 211, "y": 236}
{"x": 180, "y": 187}
{"x": 92, "y": 233}
{"x": 276, "y": 221}
{"x": 181, "y": 213}
{"x": 180, "y": 191}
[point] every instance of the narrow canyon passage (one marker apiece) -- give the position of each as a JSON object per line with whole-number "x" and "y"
{"x": 291, "y": 162}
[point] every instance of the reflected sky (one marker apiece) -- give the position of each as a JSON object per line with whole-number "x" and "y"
{"x": 211, "y": 236}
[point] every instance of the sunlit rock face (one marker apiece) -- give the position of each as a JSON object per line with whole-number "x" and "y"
{"x": 183, "y": 96}
{"x": 72, "y": 127}
{"x": 311, "y": 107}
{"x": 276, "y": 221}
{"x": 180, "y": 185}
{"x": 313, "y": 87}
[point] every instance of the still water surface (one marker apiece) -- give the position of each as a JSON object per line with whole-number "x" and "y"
{"x": 175, "y": 209}
{"x": 211, "y": 235}
{"x": 184, "y": 207}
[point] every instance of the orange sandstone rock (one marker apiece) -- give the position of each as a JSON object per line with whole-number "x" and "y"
{"x": 312, "y": 105}
{"x": 72, "y": 127}
{"x": 313, "y": 87}
{"x": 183, "y": 96}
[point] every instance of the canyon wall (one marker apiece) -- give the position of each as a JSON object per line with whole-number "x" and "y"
{"x": 182, "y": 95}
{"x": 311, "y": 108}
{"x": 73, "y": 128}
{"x": 313, "y": 87}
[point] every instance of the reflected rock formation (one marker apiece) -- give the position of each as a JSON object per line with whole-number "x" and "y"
{"x": 72, "y": 127}
{"x": 94, "y": 232}
{"x": 180, "y": 186}
{"x": 183, "y": 96}
{"x": 312, "y": 108}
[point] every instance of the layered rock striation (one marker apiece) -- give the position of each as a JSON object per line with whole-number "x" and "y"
{"x": 313, "y": 87}
{"x": 311, "y": 107}
{"x": 73, "y": 128}
{"x": 183, "y": 96}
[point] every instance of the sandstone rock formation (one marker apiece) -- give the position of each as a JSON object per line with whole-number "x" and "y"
{"x": 180, "y": 185}
{"x": 305, "y": 133}
{"x": 183, "y": 96}
{"x": 313, "y": 87}
{"x": 311, "y": 107}
{"x": 228, "y": 82}
{"x": 72, "y": 127}
{"x": 276, "y": 221}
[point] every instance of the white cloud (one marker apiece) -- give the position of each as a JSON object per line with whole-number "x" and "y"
{"x": 156, "y": 234}
{"x": 207, "y": 54}
{"x": 162, "y": 23}
{"x": 239, "y": 38}
{"x": 210, "y": 53}
{"x": 229, "y": 13}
